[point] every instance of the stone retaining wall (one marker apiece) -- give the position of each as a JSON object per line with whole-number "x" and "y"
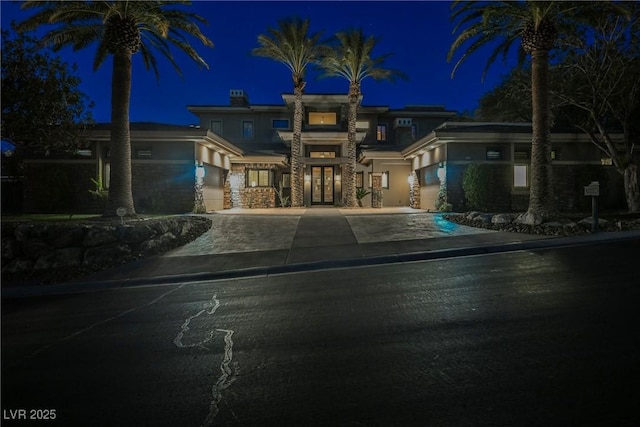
{"x": 30, "y": 251}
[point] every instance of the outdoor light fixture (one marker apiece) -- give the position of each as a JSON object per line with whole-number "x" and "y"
{"x": 410, "y": 179}
{"x": 200, "y": 172}
{"x": 307, "y": 178}
{"x": 338, "y": 177}
{"x": 253, "y": 183}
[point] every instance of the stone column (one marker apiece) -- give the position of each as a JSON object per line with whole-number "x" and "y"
{"x": 414, "y": 190}
{"x": 376, "y": 190}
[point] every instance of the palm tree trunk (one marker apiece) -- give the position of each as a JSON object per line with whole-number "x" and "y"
{"x": 120, "y": 194}
{"x": 296, "y": 143}
{"x": 349, "y": 179}
{"x": 541, "y": 202}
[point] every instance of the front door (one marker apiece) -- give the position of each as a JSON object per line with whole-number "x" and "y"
{"x": 322, "y": 185}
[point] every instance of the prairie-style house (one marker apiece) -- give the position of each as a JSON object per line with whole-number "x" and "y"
{"x": 239, "y": 154}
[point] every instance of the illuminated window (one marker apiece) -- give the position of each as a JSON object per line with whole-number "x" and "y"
{"x": 381, "y": 132}
{"x": 414, "y": 131}
{"x": 247, "y": 129}
{"x": 258, "y": 178}
{"x": 322, "y": 155}
{"x": 359, "y": 179}
{"x": 316, "y": 118}
{"x": 286, "y": 180}
{"x": 521, "y": 176}
{"x": 385, "y": 180}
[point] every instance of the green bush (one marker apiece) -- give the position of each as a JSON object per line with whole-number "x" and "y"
{"x": 476, "y": 186}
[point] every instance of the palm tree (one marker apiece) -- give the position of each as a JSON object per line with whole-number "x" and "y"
{"x": 121, "y": 29}
{"x": 292, "y": 45}
{"x": 535, "y": 24}
{"x": 350, "y": 57}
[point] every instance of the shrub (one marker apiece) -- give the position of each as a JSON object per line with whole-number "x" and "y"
{"x": 476, "y": 186}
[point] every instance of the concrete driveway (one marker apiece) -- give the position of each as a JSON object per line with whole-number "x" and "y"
{"x": 253, "y": 230}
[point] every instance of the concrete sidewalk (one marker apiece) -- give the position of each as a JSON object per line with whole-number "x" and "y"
{"x": 250, "y": 243}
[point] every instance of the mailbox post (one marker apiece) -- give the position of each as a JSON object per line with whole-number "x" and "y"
{"x": 593, "y": 190}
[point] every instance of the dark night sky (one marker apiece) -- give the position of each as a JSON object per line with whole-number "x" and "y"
{"x": 418, "y": 33}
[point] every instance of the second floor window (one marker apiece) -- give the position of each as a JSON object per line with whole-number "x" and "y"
{"x": 216, "y": 126}
{"x": 381, "y": 132}
{"x": 320, "y": 118}
{"x": 247, "y": 129}
{"x": 280, "y": 123}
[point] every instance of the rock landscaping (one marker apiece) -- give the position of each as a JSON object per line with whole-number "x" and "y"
{"x": 567, "y": 226}
{"x": 39, "y": 253}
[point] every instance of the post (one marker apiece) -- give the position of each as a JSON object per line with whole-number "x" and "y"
{"x": 593, "y": 190}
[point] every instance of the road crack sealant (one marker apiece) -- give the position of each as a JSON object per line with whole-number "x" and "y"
{"x": 226, "y": 374}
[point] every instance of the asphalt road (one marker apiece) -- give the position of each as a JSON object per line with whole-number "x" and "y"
{"x": 540, "y": 338}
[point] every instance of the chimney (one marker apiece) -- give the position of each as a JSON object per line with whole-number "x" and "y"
{"x": 238, "y": 98}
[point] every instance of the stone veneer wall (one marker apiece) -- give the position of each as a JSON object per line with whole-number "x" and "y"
{"x": 237, "y": 195}
{"x": 33, "y": 249}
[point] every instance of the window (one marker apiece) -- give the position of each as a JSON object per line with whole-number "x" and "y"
{"x": 322, "y": 154}
{"x": 414, "y": 131}
{"x": 494, "y": 153}
{"x": 106, "y": 177}
{"x": 286, "y": 180}
{"x": 318, "y": 118}
{"x": 359, "y": 179}
{"x": 143, "y": 153}
{"x": 521, "y": 176}
{"x": 258, "y": 178}
{"x": 555, "y": 154}
{"x": 216, "y": 126}
{"x": 385, "y": 180}
{"x": 247, "y": 129}
{"x": 381, "y": 132}
{"x": 521, "y": 155}
{"x": 280, "y": 123}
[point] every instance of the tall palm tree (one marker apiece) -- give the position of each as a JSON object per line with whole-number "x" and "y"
{"x": 121, "y": 29}
{"x": 350, "y": 57}
{"x": 292, "y": 45}
{"x": 535, "y": 24}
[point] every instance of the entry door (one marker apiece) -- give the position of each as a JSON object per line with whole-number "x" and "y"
{"x": 322, "y": 185}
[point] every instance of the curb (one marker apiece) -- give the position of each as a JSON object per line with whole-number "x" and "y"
{"x": 81, "y": 287}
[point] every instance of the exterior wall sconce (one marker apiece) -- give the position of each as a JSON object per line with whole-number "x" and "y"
{"x": 410, "y": 180}
{"x": 442, "y": 173}
{"x": 338, "y": 177}
{"x": 307, "y": 178}
{"x": 200, "y": 172}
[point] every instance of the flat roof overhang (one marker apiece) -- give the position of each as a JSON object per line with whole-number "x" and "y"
{"x": 367, "y": 156}
{"x": 321, "y": 138}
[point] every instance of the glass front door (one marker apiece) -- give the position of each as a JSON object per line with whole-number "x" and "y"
{"x": 322, "y": 185}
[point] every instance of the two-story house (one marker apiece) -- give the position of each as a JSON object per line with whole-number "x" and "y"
{"x": 238, "y": 156}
